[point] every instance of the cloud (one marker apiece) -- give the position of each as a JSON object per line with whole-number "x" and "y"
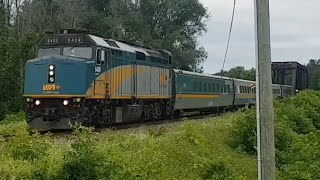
{"x": 295, "y": 34}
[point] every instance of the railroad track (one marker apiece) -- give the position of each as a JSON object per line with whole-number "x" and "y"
{"x": 127, "y": 126}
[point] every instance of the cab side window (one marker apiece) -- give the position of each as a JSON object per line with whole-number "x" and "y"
{"x": 101, "y": 56}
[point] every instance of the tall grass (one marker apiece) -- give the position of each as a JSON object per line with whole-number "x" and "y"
{"x": 215, "y": 148}
{"x": 192, "y": 150}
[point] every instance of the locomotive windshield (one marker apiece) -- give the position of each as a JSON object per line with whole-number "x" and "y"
{"x": 48, "y": 51}
{"x": 81, "y": 52}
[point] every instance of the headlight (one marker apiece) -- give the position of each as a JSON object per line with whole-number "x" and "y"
{"x": 51, "y": 79}
{"x": 77, "y": 100}
{"x": 38, "y": 102}
{"x": 28, "y": 100}
{"x": 51, "y": 67}
{"x": 65, "y": 102}
{"x": 51, "y": 73}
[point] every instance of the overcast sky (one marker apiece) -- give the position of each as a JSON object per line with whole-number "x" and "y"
{"x": 295, "y": 32}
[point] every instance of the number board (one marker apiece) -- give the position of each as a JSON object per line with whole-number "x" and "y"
{"x": 54, "y": 40}
{"x": 74, "y": 40}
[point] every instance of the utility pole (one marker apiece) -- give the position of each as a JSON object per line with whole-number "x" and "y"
{"x": 265, "y": 120}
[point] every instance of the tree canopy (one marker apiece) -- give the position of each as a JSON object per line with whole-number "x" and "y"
{"x": 239, "y": 72}
{"x": 314, "y": 74}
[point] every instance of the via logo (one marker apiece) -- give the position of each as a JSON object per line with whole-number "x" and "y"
{"x": 50, "y": 87}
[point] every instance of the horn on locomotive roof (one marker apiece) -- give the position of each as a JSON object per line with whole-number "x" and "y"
{"x": 74, "y": 31}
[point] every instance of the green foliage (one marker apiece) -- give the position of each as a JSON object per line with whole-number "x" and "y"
{"x": 173, "y": 25}
{"x": 296, "y": 135}
{"x": 314, "y": 74}
{"x": 303, "y": 158}
{"x": 13, "y": 124}
{"x": 218, "y": 172}
{"x": 240, "y": 73}
{"x": 85, "y": 161}
{"x": 11, "y": 118}
{"x": 27, "y": 157}
{"x": 244, "y": 132}
{"x": 193, "y": 150}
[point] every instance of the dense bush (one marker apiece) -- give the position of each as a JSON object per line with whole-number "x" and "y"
{"x": 27, "y": 156}
{"x": 296, "y": 121}
{"x": 85, "y": 161}
{"x": 13, "y": 124}
{"x": 12, "y": 118}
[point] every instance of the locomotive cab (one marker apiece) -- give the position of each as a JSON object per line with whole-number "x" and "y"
{"x": 56, "y": 81}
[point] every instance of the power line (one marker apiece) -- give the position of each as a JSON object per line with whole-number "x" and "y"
{"x": 230, "y": 31}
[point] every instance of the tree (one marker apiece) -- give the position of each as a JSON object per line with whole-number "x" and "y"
{"x": 240, "y": 72}
{"x": 314, "y": 74}
{"x": 162, "y": 24}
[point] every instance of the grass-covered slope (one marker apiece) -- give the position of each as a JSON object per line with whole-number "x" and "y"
{"x": 215, "y": 148}
{"x": 188, "y": 150}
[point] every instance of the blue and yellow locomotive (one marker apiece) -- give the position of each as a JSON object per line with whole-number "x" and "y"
{"x": 78, "y": 77}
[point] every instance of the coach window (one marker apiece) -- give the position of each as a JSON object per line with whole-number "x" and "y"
{"x": 194, "y": 84}
{"x": 209, "y": 88}
{"x": 213, "y": 88}
{"x": 204, "y": 87}
{"x": 228, "y": 89}
{"x": 199, "y": 85}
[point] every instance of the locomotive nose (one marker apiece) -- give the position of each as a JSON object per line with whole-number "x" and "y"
{"x": 56, "y": 75}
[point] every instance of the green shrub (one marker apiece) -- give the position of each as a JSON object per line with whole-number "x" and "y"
{"x": 28, "y": 148}
{"x": 296, "y": 136}
{"x": 217, "y": 171}
{"x": 310, "y": 100}
{"x": 11, "y": 118}
{"x": 13, "y": 124}
{"x": 22, "y": 154}
{"x": 244, "y": 132}
{"x": 85, "y": 161}
{"x": 303, "y": 158}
